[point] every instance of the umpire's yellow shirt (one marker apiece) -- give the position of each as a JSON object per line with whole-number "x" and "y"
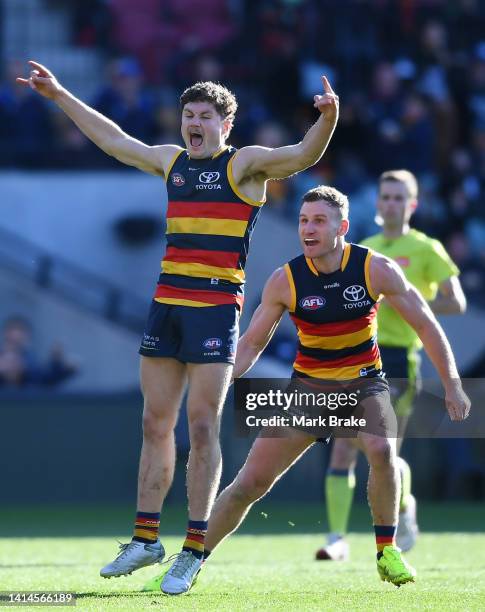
{"x": 426, "y": 264}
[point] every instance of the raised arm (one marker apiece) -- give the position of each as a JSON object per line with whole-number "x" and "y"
{"x": 263, "y": 323}
{"x": 387, "y": 278}
{"x": 102, "y": 131}
{"x": 450, "y": 298}
{"x": 263, "y": 163}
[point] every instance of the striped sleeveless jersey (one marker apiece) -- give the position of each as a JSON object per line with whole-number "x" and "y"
{"x": 209, "y": 227}
{"x": 335, "y": 317}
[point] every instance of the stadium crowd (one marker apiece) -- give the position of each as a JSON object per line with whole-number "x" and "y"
{"x": 20, "y": 367}
{"x": 410, "y": 75}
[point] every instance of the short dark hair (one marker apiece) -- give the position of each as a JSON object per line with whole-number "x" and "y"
{"x": 331, "y": 196}
{"x": 401, "y": 176}
{"x": 223, "y": 100}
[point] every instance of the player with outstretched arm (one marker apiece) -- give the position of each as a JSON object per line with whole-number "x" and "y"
{"x": 215, "y": 194}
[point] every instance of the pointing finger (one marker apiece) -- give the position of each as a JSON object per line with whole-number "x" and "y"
{"x": 42, "y": 69}
{"x": 326, "y": 85}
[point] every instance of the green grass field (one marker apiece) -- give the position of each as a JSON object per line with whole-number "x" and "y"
{"x": 271, "y": 568}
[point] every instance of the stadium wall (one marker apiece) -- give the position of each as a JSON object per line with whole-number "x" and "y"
{"x": 84, "y": 448}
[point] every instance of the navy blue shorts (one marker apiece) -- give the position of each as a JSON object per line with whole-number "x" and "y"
{"x": 190, "y": 334}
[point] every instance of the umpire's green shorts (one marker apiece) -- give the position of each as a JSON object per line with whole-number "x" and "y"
{"x": 402, "y": 368}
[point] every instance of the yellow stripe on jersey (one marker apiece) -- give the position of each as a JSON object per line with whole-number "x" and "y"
{"x": 341, "y": 341}
{"x": 291, "y": 282}
{"x": 346, "y": 373}
{"x": 172, "y": 162}
{"x": 199, "y": 225}
{"x": 345, "y": 257}
{"x": 343, "y": 265}
{"x": 235, "y": 188}
{"x": 220, "y": 151}
{"x": 235, "y": 275}
{"x": 181, "y": 302}
{"x": 311, "y": 265}
{"x": 373, "y": 295}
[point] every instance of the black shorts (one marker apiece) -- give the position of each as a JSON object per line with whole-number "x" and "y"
{"x": 191, "y": 334}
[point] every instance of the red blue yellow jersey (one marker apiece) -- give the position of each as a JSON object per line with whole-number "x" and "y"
{"x": 426, "y": 264}
{"x": 335, "y": 317}
{"x": 209, "y": 227}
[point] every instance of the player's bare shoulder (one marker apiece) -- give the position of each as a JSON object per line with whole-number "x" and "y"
{"x": 165, "y": 156}
{"x": 245, "y": 161}
{"x": 386, "y": 276}
{"x": 277, "y": 289}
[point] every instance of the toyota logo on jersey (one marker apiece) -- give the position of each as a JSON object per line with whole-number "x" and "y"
{"x": 312, "y": 302}
{"x": 209, "y": 177}
{"x": 354, "y": 293}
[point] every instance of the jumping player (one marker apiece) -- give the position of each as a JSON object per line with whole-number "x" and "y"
{"x": 337, "y": 340}
{"x": 427, "y": 265}
{"x": 215, "y": 194}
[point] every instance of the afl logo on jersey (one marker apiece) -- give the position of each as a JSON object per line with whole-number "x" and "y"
{"x": 212, "y": 343}
{"x": 178, "y": 180}
{"x": 354, "y": 293}
{"x": 312, "y": 302}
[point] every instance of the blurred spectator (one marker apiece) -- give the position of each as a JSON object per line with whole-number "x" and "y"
{"x": 279, "y": 194}
{"x": 19, "y": 367}
{"x": 91, "y": 23}
{"x": 416, "y": 148}
{"x": 410, "y": 75}
{"x": 125, "y": 101}
{"x": 25, "y": 122}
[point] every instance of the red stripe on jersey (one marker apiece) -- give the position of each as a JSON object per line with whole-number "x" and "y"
{"x": 210, "y": 210}
{"x": 335, "y": 329}
{"x": 221, "y": 259}
{"x": 309, "y": 363}
{"x": 198, "y": 295}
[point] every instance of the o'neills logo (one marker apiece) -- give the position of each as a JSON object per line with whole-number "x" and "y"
{"x": 312, "y": 302}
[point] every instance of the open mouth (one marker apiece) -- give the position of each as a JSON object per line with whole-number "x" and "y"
{"x": 196, "y": 139}
{"x": 310, "y": 242}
